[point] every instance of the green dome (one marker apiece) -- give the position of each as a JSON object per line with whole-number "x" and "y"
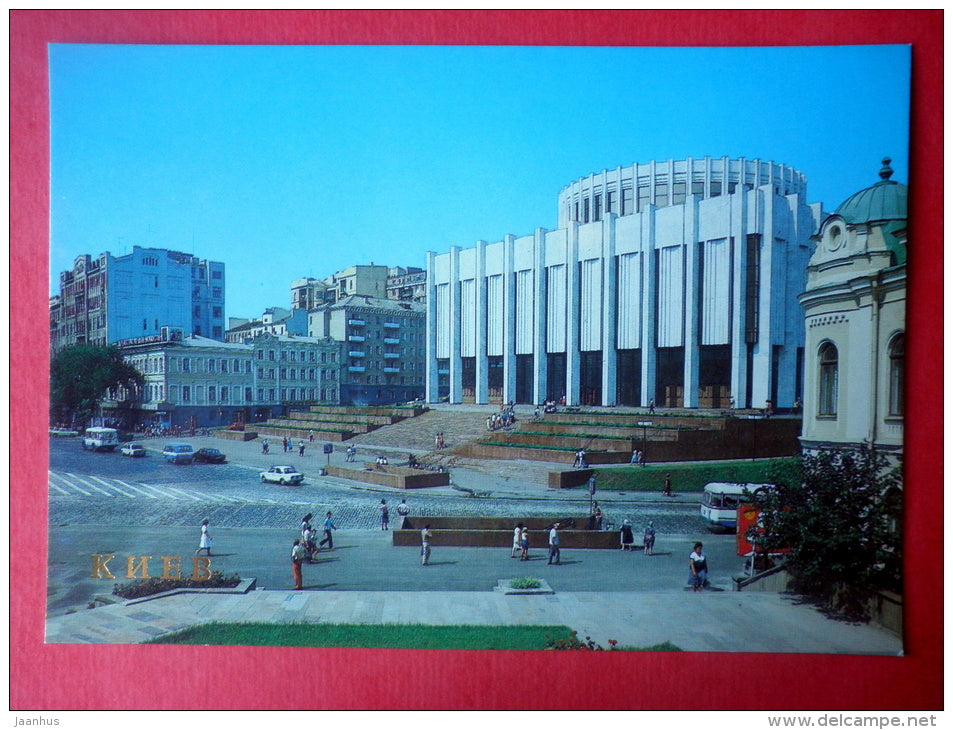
{"x": 883, "y": 201}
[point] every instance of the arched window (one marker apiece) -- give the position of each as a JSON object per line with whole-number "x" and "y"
{"x": 895, "y": 398}
{"x": 827, "y": 382}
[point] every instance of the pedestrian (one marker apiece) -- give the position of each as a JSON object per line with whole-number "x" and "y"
{"x": 385, "y": 515}
{"x": 307, "y": 540}
{"x": 402, "y": 509}
{"x": 625, "y": 535}
{"x": 635, "y": 457}
{"x": 205, "y": 541}
{"x": 298, "y": 554}
{"x": 698, "y": 565}
{"x": 264, "y": 446}
{"x": 652, "y": 406}
{"x": 301, "y": 448}
{"x": 350, "y": 453}
{"x": 517, "y": 533}
{"x": 328, "y": 526}
{"x": 311, "y": 437}
{"x": 425, "y": 536}
{"x": 596, "y": 516}
{"x": 648, "y": 539}
{"x": 524, "y": 543}
{"x": 554, "y": 544}
{"x": 667, "y": 486}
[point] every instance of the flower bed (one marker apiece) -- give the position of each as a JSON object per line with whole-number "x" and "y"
{"x": 151, "y": 586}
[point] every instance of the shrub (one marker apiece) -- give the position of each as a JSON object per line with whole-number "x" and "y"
{"x": 525, "y": 583}
{"x": 150, "y": 586}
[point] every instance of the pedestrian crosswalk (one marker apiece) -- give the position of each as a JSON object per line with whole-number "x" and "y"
{"x": 66, "y": 484}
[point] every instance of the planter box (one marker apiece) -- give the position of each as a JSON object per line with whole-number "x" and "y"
{"x": 236, "y": 435}
{"x": 393, "y": 476}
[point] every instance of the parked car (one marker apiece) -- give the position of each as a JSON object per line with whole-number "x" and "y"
{"x": 282, "y": 475}
{"x": 210, "y": 456}
{"x": 178, "y": 453}
{"x": 63, "y": 432}
{"x": 133, "y": 449}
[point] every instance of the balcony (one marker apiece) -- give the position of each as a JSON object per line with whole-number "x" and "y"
{"x": 356, "y": 353}
{"x": 392, "y": 325}
{"x": 355, "y": 338}
{"x": 391, "y": 370}
{"x": 356, "y": 369}
{"x": 356, "y": 322}
{"x": 391, "y": 341}
{"x": 391, "y": 355}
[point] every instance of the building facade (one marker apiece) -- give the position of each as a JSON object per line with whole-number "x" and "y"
{"x": 674, "y": 282}
{"x": 384, "y": 346}
{"x": 110, "y": 298}
{"x": 855, "y": 314}
{"x": 196, "y": 382}
{"x": 274, "y": 321}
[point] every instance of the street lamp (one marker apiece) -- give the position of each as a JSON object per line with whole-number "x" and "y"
{"x": 644, "y": 425}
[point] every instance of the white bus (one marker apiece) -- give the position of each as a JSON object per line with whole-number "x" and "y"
{"x": 100, "y": 439}
{"x": 720, "y": 502}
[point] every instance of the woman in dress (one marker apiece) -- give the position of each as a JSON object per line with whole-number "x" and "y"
{"x": 205, "y": 541}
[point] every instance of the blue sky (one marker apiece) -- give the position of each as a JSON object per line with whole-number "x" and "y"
{"x": 286, "y": 162}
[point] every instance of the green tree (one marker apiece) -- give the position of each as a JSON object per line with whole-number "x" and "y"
{"x": 82, "y": 375}
{"x": 833, "y": 511}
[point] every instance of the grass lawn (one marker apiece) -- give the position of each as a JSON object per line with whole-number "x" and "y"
{"x": 375, "y": 636}
{"x": 686, "y": 477}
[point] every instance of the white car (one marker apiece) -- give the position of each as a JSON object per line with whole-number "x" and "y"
{"x": 133, "y": 449}
{"x": 282, "y": 475}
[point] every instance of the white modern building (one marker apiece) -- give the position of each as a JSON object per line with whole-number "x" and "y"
{"x": 855, "y": 318}
{"x": 674, "y": 282}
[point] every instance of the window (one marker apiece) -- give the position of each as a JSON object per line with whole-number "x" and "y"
{"x": 186, "y": 365}
{"x": 211, "y": 394}
{"x": 585, "y": 210}
{"x": 186, "y": 394}
{"x": 895, "y": 398}
{"x": 827, "y": 382}
{"x": 597, "y": 208}
{"x": 224, "y": 393}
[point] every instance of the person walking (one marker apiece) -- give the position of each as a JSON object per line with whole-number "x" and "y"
{"x": 698, "y": 567}
{"x": 298, "y": 554}
{"x": 425, "y": 536}
{"x": 264, "y": 446}
{"x": 205, "y": 541}
{"x": 402, "y": 510}
{"x": 301, "y": 447}
{"x": 667, "y": 486}
{"x": 385, "y": 514}
{"x": 328, "y": 526}
{"x": 350, "y": 453}
{"x": 554, "y": 544}
{"x": 517, "y": 533}
{"x": 524, "y": 543}
{"x": 648, "y": 539}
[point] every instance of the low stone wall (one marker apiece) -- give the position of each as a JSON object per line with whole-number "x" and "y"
{"x": 570, "y": 478}
{"x": 236, "y": 435}
{"x": 398, "y": 412}
{"x": 413, "y": 522}
{"x": 301, "y": 433}
{"x": 538, "y": 539}
{"x": 392, "y": 476}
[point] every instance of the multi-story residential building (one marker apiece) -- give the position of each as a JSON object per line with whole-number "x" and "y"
{"x": 309, "y": 293}
{"x": 384, "y": 346}
{"x": 274, "y": 320}
{"x": 198, "y": 382}
{"x": 674, "y": 282}
{"x": 110, "y": 298}
{"x": 407, "y": 284}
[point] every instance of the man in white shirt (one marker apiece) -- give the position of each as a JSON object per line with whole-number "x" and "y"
{"x": 554, "y": 544}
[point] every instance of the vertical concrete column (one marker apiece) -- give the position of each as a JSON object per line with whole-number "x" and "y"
{"x": 539, "y": 315}
{"x": 572, "y": 315}
{"x": 738, "y": 228}
{"x": 481, "y": 390}
{"x": 431, "y": 389}
{"x": 649, "y": 304}
{"x": 690, "y": 344}
{"x": 761, "y": 362}
{"x": 610, "y": 303}
{"x": 509, "y": 320}
{"x": 456, "y": 362}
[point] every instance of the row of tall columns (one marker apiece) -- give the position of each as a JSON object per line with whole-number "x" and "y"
{"x": 770, "y": 271}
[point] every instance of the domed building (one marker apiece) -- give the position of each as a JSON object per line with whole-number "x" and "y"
{"x": 855, "y": 309}
{"x": 673, "y": 282}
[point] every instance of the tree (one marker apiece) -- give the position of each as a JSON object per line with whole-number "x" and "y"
{"x": 832, "y": 510}
{"x": 82, "y": 375}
